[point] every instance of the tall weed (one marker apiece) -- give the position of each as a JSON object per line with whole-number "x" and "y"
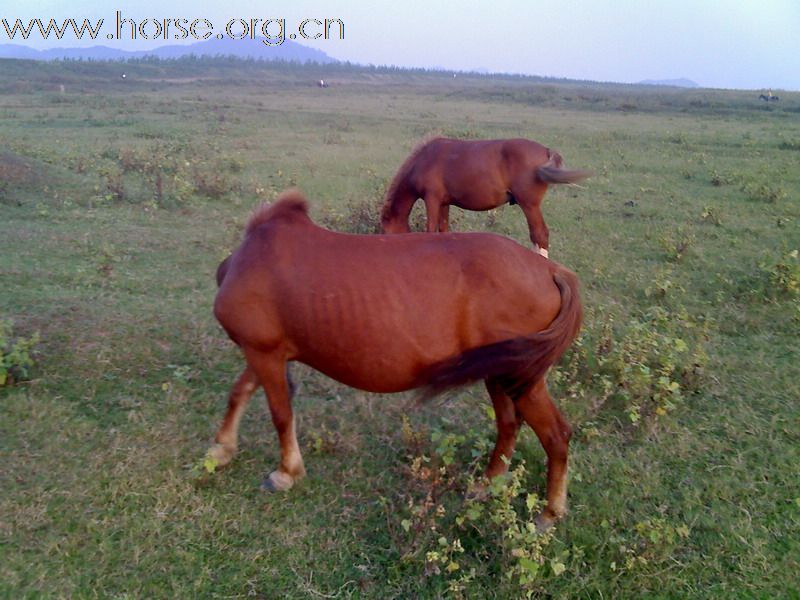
{"x": 16, "y": 357}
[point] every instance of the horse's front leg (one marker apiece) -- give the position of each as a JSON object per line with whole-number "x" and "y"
{"x": 444, "y": 218}
{"x": 271, "y": 371}
{"x": 226, "y": 440}
{"x": 529, "y": 197}
{"x": 433, "y": 211}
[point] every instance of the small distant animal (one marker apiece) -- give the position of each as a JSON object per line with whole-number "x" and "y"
{"x": 768, "y": 98}
{"x": 389, "y": 313}
{"x": 475, "y": 175}
{"x": 321, "y": 83}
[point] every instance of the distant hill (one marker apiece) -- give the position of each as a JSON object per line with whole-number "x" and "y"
{"x": 683, "y": 82}
{"x": 288, "y": 50}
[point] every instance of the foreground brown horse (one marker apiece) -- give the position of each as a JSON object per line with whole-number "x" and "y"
{"x": 387, "y": 313}
{"x": 475, "y": 175}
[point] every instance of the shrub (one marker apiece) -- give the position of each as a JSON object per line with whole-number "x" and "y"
{"x": 644, "y": 368}
{"x": 457, "y": 539}
{"x": 676, "y": 244}
{"x": 662, "y": 285}
{"x": 763, "y": 192}
{"x": 462, "y": 133}
{"x": 360, "y": 216}
{"x": 651, "y": 366}
{"x": 711, "y": 215}
{"x": 15, "y": 355}
{"x": 210, "y": 181}
{"x": 719, "y": 179}
{"x": 114, "y": 184}
{"x": 789, "y": 145}
{"x": 783, "y": 275}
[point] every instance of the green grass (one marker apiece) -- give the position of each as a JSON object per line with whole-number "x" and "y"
{"x": 100, "y": 492}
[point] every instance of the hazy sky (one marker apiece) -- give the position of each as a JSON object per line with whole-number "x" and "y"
{"x": 717, "y": 43}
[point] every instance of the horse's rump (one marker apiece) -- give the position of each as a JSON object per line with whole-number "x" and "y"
{"x": 517, "y": 364}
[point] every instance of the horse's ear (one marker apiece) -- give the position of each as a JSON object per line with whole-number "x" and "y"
{"x": 291, "y": 203}
{"x": 222, "y": 269}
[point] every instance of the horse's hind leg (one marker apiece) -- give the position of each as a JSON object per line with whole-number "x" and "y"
{"x": 226, "y": 440}
{"x": 272, "y": 373}
{"x": 538, "y": 411}
{"x": 530, "y": 201}
{"x": 508, "y": 425}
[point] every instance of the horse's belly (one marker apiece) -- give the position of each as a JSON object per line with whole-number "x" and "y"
{"x": 483, "y": 199}
{"x": 389, "y": 361}
{"x": 378, "y": 375}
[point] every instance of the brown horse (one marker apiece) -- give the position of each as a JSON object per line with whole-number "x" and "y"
{"x": 387, "y": 313}
{"x": 475, "y": 175}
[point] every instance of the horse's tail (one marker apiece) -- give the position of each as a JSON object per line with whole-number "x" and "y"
{"x": 551, "y": 171}
{"x": 517, "y": 364}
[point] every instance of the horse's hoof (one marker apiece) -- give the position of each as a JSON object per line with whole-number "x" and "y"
{"x": 277, "y": 481}
{"x": 539, "y": 250}
{"x": 477, "y": 492}
{"x": 221, "y": 454}
{"x": 545, "y": 521}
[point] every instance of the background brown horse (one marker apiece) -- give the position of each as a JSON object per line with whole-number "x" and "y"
{"x": 387, "y": 313}
{"x": 475, "y": 175}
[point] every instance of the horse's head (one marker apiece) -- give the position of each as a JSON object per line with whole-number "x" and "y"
{"x": 391, "y": 222}
{"x": 395, "y": 227}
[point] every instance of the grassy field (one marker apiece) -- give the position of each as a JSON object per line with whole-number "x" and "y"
{"x": 118, "y": 198}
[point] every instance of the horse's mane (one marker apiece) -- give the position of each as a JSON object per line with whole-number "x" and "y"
{"x": 289, "y": 205}
{"x": 404, "y": 169}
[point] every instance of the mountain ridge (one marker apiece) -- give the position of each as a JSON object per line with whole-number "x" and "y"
{"x": 254, "y": 49}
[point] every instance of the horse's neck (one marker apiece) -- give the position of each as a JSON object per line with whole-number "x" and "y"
{"x": 401, "y": 200}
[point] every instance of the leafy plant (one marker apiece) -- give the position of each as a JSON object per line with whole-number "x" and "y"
{"x": 359, "y": 216}
{"x": 784, "y": 275}
{"x": 711, "y": 215}
{"x": 763, "y": 192}
{"x": 676, "y": 244}
{"x": 453, "y": 538}
{"x": 663, "y": 285}
{"x": 15, "y": 354}
{"x": 646, "y": 366}
{"x": 718, "y": 179}
{"x": 789, "y": 145}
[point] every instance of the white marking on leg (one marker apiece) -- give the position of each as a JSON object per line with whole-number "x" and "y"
{"x": 222, "y": 453}
{"x": 292, "y": 461}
